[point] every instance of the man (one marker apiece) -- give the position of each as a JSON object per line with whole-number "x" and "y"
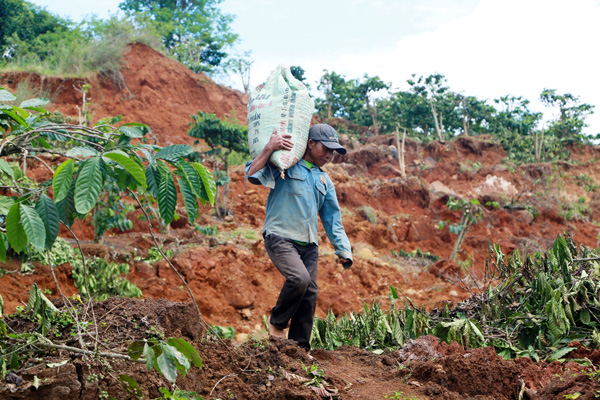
{"x": 290, "y": 228}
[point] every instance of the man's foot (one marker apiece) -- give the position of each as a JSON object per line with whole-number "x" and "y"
{"x": 276, "y": 332}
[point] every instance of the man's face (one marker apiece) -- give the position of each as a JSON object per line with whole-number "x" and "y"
{"x": 319, "y": 154}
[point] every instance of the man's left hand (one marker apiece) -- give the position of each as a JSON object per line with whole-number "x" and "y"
{"x": 346, "y": 262}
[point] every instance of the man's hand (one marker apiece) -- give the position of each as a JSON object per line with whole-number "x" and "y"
{"x": 280, "y": 142}
{"x": 277, "y": 142}
{"x": 346, "y": 263}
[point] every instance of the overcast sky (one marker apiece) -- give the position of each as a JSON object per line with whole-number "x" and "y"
{"x": 485, "y": 48}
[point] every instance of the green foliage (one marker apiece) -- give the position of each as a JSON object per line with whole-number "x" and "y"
{"x": 578, "y": 210}
{"x": 223, "y": 332}
{"x": 368, "y": 213}
{"x": 195, "y": 32}
{"x": 219, "y": 135}
{"x": 176, "y": 356}
{"x": 38, "y": 41}
{"x": 540, "y": 304}
{"x": 207, "y": 230}
{"x": 416, "y": 253}
{"x": 223, "y": 138}
{"x": 589, "y": 185}
{"x": 103, "y": 166}
{"x": 571, "y": 120}
{"x": 470, "y": 213}
{"x": 101, "y": 279}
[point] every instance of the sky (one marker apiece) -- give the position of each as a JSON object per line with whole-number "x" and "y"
{"x": 485, "y": 48}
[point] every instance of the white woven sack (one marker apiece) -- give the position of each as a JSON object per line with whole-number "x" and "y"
{"x": 281, "y": 103}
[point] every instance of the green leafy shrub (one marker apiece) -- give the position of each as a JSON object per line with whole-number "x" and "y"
{"x": 207, "y": 230}
{"x": 416, "y": 253}
{"x": 368, "y": 213}
{"x": 540, "y": 304}
{"x": 578, "y": 210}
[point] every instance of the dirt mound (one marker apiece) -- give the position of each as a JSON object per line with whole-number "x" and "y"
{"x": 151, "y": 89}
{"x": 276, "y": 369}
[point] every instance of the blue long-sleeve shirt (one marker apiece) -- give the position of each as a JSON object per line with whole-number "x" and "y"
{"x": 295, "y": 202}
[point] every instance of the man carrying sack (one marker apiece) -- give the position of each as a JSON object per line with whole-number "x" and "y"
{"x": 290, "y": 228}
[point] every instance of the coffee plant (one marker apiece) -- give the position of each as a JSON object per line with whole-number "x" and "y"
{"x": 94, "y": 158}
{"x": 537, "y": 305}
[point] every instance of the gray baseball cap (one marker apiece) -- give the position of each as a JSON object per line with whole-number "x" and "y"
{"x": 327, "y": 135}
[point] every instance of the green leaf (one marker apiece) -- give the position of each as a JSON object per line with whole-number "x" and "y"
{"x": 150, "y": 356}
{"x": 16, "y": 117}
{"x": 208, "y": 181}
{"x": 2, "y": 255}
{"x": 61, "y": 182}
{"x": 165, "y": 364}
{"x": 189, "y": 198}
{"x": 174, "y": 152}
{"x": 34, "y": 227}
{"x": 131, "y": 385}
{"x": 66, "y": 207}
{"x": 36, "y": 382}
{"x": 167, "y": 197}
{"x": 131, "y": 131}
{"x": 152, "y": 180}
{"x": 133, "y": 168}
{"x": 187, "y": 350}
{"x": 5, "y": 95}
{"x": 5, "y": 204}
{"x": 5, "y": 167}
{"x": 34, "y": 103}
{"x": 14, "y": 229}
{"x": 181, "y": 362}
{"x": 135, "y": 350}
{"x": 57, "y": 364}
{"x": 89, "y": 185}
{"x": 82, "y": 151}
{"x": 48, "y": 213}
{"x": 560, "y": 353}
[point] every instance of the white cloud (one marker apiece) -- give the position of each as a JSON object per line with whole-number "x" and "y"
{"x": 516, "y": 47}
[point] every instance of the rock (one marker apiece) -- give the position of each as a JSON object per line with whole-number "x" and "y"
{"x": 241, "y": 337}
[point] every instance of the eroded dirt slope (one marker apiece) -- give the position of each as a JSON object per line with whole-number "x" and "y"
{"x": 235, "y": 283}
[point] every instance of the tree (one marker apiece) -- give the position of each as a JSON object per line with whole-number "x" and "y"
{"x": 438, "y": 96}
{"x": 241, "y": 64}
{"x": 23, "y": 22}
{"x": 334, "y": 87}
{"x": 571, "y": 118}
{"x": 298, "y": 72}
{"x": 474, "y": 113}
{"x": 364, "y": 91}
{"x": 409, "y": 110}
{"x": 195, "y": 32}
{"x": 223, "y": 138}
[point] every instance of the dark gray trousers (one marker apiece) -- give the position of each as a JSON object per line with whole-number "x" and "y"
{"x": 298, "y": 297}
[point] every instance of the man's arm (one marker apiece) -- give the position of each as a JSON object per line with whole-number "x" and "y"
{"x": 277, "y": 142}
{"x": 331, "y": 217}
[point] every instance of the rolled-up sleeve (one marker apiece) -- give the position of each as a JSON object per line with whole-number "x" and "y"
{"x": 265, "y": 176}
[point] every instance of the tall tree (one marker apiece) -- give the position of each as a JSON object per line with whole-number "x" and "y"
{"x": 23, "y": 22}
{"x": 571, "y": 114}
{"x": 433, "y": 90}
{"x": 334, "y": 87}
{"x": 364, "y": 92}
{"x": 196, "y": 32}
{"x": 241, "y": 64}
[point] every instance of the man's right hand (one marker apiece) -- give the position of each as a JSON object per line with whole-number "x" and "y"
{"x": 277, "y": 142}
{"x": 280, "y": 142}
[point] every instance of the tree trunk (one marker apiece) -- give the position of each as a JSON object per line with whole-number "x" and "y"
{"x": 401, "y": 151}
{"x": 373, "y": 113}
{"x": 438, "y": 128}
